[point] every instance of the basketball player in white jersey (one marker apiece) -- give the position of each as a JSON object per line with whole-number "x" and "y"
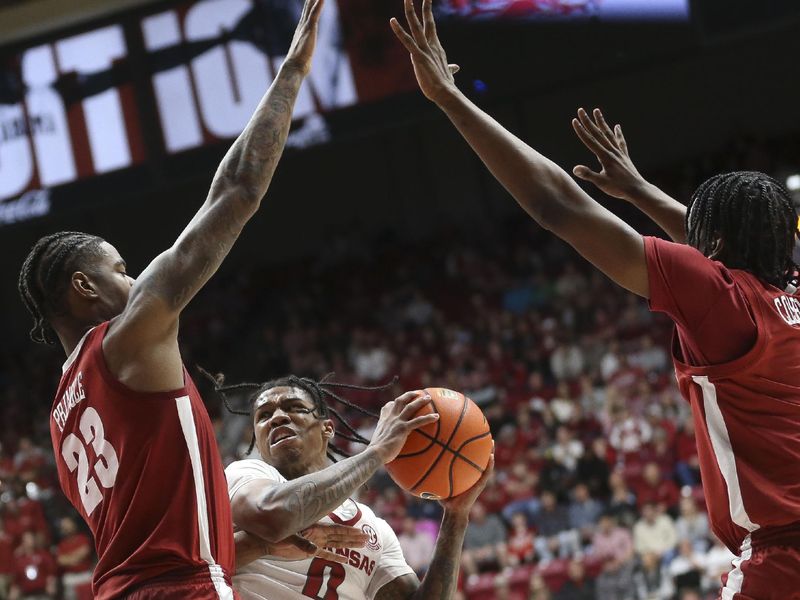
{"x": 294, "y": 485}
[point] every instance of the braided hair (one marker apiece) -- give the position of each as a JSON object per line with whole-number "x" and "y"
{"x": 754, "y": 216}
{"x": 45, "y": 274}
{"x": 319, "y": 391}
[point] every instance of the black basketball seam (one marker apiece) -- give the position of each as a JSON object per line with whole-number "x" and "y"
{"x": 456, "y": 452}
{"x": 433, "y": 440}
{"x": 452, "y": 435}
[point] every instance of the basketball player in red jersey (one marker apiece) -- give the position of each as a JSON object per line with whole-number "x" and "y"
{"x": 134, "y": 446}
{"x": 737, "y": 346}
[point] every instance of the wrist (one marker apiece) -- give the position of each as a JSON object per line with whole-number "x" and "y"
{"x": 641, "y": 191}
{"x": 294, "y": 65}
{"x": 377, "y": 451}
{"x": 455, "y": 517}
{"x": 448, "y": 97}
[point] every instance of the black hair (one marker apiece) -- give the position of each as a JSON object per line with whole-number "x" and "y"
{"x": 754, "y": 216}
{"x": 44, "y": 276}
{"x": 317, "y": 390}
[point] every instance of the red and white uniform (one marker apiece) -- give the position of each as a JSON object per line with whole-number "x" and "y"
{"x": 737, "y": 358}
{"x": 368, "y": 569}
{"x": 144, "y": 471}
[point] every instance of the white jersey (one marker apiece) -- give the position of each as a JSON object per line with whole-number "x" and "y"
{"x": 368, "y": 569}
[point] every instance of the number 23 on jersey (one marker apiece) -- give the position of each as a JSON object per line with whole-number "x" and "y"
{"x": 73, "y": 450}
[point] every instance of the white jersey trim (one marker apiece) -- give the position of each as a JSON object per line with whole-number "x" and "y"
{"x": 735, "y": 580}
{"x": 75, "y": 352}
{"x": 723, "y": 452}
{"x": 186, "y": 418}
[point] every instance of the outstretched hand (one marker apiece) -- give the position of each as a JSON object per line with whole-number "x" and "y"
{"x": 301, "y": 50}
{"x": 434, "y": 74}
{"x": 618, "y": 175}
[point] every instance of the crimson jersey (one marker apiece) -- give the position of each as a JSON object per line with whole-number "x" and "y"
{"x": 737, "y": 358}
{"x": 144, "y": 471}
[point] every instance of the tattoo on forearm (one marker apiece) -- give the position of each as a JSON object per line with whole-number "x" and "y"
{"x": 313, "y": 496}
{"x": 442, "y": 574}
{"x": 239, "y": 184}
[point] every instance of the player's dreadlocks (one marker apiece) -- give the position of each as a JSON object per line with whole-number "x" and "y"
{"x": 45, "y": 274}
{"x": 317, "y": 390}
{"x": 754, "y": 216}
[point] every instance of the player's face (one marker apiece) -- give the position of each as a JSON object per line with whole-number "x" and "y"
{"x": 111, "y": 281}
{"x": 289, "y": 434}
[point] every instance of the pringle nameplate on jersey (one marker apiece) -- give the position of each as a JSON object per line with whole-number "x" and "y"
{"x": 69, "y": 399}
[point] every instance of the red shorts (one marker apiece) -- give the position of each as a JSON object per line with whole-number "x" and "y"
{"x": 185, "y": 590}
{"x": 769, "y": 573}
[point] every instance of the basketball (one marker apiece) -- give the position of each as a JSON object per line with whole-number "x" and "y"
{"x": 445, "y": 458}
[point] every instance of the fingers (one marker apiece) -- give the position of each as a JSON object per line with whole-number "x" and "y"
{"x": 332, "y": 556}
{"x": 596, "y": 132}
{"x": 403, "y": 36}
{"x": 585, "y": 173}
{"x": 410, "y": 395}
{"x": 588, "y": 139}
{"x": 428, "y": 21}
{"x": 453, "y": 69}
{"x": 342, "y": 536}
{"x": 620, "y": 137}
{"x": 600, "y": 120}
{"x": 418, "y": 422}
{"x": 414, "y": 25}
{"x": 414, "y": 406}
{"x": 316, "y": 10}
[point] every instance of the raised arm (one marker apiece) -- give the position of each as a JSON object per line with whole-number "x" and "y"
{"x": 141, "y": 346}
{"x": 619, "y": 177}
{"x": 441, "y": 578}
{"x": 541, "y": 188}
{"x": 273, "y": 510}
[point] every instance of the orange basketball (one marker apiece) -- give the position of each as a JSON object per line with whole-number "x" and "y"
{"x": 445, "y": 458}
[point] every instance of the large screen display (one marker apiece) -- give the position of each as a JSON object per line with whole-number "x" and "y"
{"x": 608, "y": 10}
{"x": 160, "y": 82}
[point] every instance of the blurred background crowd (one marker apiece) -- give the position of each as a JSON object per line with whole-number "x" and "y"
{"x": 596, "y": 492}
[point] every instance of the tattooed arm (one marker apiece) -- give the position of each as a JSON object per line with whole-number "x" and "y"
{"x": 141, "y": 346}
{"x": 274, "y": 510}
{"x": 441, "y": 578}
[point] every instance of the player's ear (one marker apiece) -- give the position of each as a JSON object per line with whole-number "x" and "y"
{"x": 82, "y": 285}
{"x": 328, "y": 430}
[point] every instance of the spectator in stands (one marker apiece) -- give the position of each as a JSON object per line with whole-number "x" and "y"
{"x": 593, "y": 470}
{"x": 622, "y": 503}
{"x": 520, "y": 540}
{"x": 566, "y": 450}
{"x": 654, "y": 532}
{"x": 485, "y": 542}
{"x": 553, "y": 534}
{"x": 687, "y": 469}
{"x": 566, "y": 361}
{"x": 686, "y": 569}
{"x": 578, "y": 586}
{"x": 74, "y": 557}
{"x": 521, "y": 484}
{"x": 34, "y": 572}
{"x": 649, "y": 579}
{"x": 417, "y": 546}
{"x": 655, "y": 489}
{"x": 614, "y": 547}
{"x": 584, "y": 511}
{"x": 692, "y": 524}
{"x": 649, "y": 357}
{"x": 627, "y": 433}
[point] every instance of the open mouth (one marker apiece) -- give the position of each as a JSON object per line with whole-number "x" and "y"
{"x": 281, "y": 434}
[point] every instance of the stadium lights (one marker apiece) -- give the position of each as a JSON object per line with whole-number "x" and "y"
{"x": 793, "y": 182}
